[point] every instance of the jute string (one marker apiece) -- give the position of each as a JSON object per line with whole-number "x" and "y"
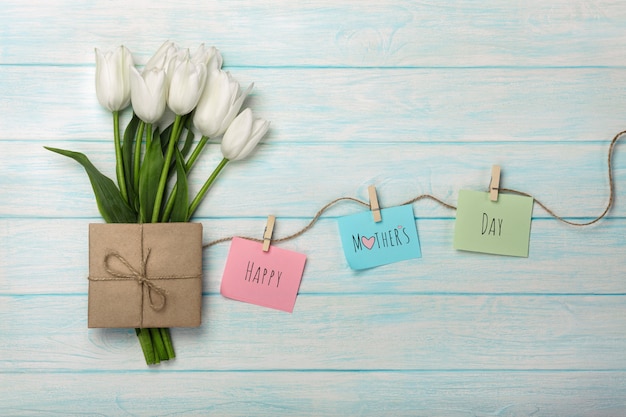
{"x": 452, "y": 207}
{"x": 139, "y": 276}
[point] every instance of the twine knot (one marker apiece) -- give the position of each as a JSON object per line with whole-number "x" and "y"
{"x": 139, "y": 276}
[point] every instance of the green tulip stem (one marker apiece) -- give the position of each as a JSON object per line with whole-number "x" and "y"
{"x": 167, "y": 340}
{"x": 147, "y": 346}
{"x": 166, "y": 167}
{"x": 196, "y": 152}
{"x": 119, "y": 163}
{"x": 148, "y": 134}
{"x": 159, "y": 346}
{"x": 169, "y": 206}
{"x": 137, "y": 156}
{"x": 198, "y": 198}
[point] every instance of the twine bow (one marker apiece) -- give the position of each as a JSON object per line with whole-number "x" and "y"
{"x": 139, "y": 276}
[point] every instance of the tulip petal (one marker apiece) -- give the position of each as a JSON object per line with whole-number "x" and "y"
{"x": 112, "y": 78}
{"x": 162, "y": 56}
{"x": 186, "y": 85}
{"x": 259, "y": 128}
{"x": 237, "y": 134}
{"x": 219, "y": 104}
{"x": 148, "y": 93}
{"x": 234, "y": 109}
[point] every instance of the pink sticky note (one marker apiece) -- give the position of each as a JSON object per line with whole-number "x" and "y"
{"x": 269, "y": 279}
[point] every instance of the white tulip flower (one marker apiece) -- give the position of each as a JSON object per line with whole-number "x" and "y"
{"x": 113, "y": 78}
{"x": 148, "y": 92}
{"x": 186, "y": 82}
{"x": 242, "y": 136}
{"x": 162, "y": 57}
{"x": 210, "y": 57}
{"x": 220, "y": 102}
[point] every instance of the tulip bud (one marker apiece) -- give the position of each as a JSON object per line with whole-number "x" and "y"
{"x": 219, "y": 104}
{"x": 242, "y": 136}
{"x": 148, "y": 93}
{"x": 210, "y": 57}
{"x": 113, "y": 78}
{"x": 186, "y": 82}
{"x": 162, "y": 57}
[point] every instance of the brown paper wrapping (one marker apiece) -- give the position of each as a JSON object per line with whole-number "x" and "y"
{"x": 145, "y": 275}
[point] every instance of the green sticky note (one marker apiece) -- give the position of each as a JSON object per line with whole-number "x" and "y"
{"x": 499, "y": 227}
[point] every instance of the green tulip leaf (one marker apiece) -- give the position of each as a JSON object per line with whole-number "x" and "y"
{"x": 149, "y": 175}
{"x": 181, "y": 202}
{"x": 165, "y": 138}
{"x": 110, "y": 203}
{"x": 189, "y": 139}
{"x": 127, "y": 157}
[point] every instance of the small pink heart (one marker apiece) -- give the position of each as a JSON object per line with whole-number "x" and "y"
{"x": 369, "y": 243}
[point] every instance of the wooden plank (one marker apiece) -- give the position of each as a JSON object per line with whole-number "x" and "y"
{"x": 354, "y": 105}
{"x": 49, "y": 256}
{"x": 347, "y": 33}
{"x": 58, "y": 186}
{"x": 318, "y": 393}
{"x": 343, "y": 332}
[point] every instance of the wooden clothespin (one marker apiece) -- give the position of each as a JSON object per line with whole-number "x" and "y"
{"x": 494, "y": 184}
{"x": 267, "y": 233}
{"x": 374, "y": 203}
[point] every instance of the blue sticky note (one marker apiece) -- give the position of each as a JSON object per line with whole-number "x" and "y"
{"x": 367, "y": 244}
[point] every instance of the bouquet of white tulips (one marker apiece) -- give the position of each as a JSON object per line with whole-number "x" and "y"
{"x": 199, "y": 94}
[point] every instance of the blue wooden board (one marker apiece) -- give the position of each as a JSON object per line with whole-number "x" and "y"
{"x": 413, "y": 97}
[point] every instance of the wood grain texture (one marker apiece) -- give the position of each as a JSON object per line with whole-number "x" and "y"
{"x": 317, "y": 33}
{"x": 355, "y": 105}
{"x": 412, "y": 96}
{"x": 56, "y": 260}
{"x": 329, "y": 171}
{"x": 338, "y": 332}
{"x": 447, "y": 394}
